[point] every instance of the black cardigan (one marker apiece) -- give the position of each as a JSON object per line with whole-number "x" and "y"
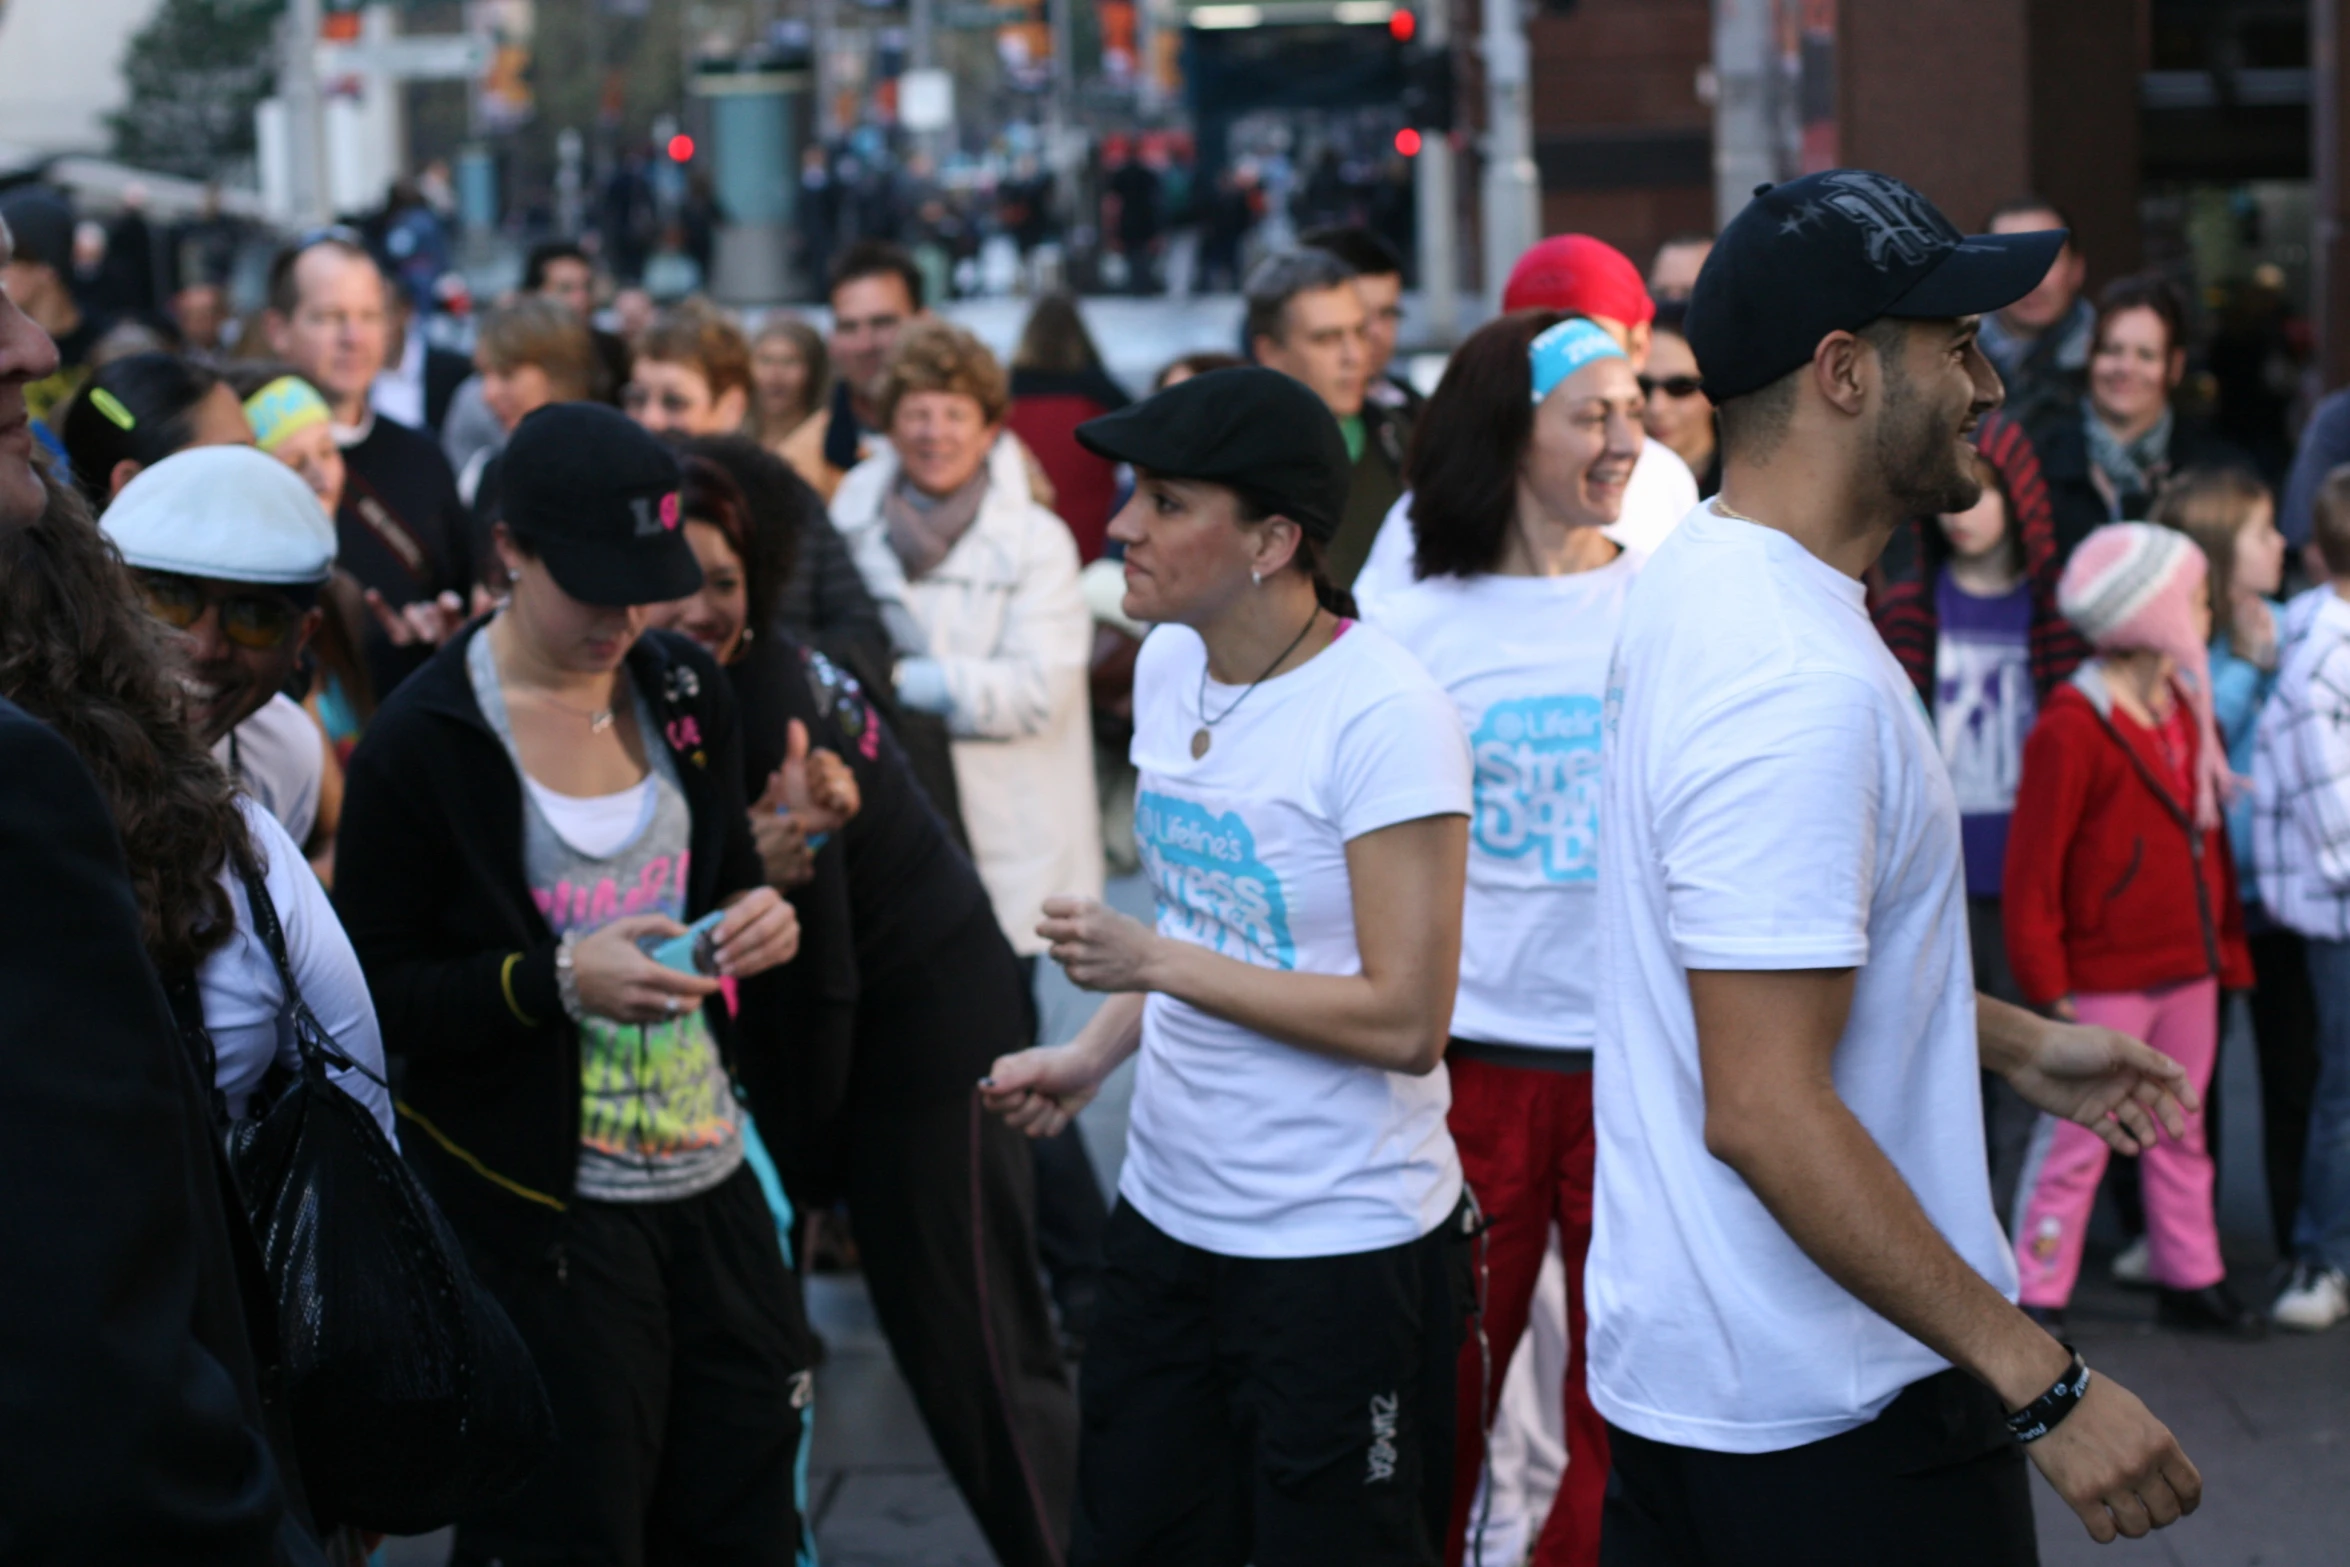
{"x": 429, "y": 882}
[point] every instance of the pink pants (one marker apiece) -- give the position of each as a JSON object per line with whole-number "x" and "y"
{"x": 2182, "y": 1237}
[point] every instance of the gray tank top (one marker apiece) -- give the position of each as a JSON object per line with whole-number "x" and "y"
{"x": 658, "y": 1119}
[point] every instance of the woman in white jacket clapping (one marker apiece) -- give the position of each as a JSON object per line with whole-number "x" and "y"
{"x": 979, "y": 586}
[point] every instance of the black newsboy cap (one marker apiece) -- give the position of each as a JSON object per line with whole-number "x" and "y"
{"x": 1260, "y": 432}
{"x": 595, "y": 497}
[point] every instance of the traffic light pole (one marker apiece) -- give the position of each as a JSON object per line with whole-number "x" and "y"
{"x": 1512, "y": 185}
{"x": 1436, "y": 208}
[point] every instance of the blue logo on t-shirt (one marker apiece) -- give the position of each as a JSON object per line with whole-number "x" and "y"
{"x": 1538, "y": 783}
{"x": 1212, "y": 889}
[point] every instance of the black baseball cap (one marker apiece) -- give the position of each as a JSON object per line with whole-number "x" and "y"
{"x": 1257, "y": 431}
{"x": 1832, "y": 252}
{"x": 595, "y": 496}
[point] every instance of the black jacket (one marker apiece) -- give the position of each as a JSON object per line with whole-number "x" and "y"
{"x": 2078, "y": 506}
{"x": 429, "y": 882}
{"x": 902, "y": 966}
{"x": 130, "y": 1425}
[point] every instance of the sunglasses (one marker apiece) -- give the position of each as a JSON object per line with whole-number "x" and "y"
{"x": 259, "y": 621}
{"x": 1672, "y": 385}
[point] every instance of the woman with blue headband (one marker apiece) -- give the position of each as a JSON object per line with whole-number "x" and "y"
{"x": 1521, "y": 458}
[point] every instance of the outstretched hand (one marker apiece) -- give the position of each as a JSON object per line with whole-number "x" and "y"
{"x": 429, "y": 622}
{"x": 2108, "y": 1082}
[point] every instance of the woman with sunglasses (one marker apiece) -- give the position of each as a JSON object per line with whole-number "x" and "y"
{"x": 1678, "y": 412}
{"x": 1270, "y": 1377}
{"x": 536, "y": 817}
{"x": 1521, "y": 460}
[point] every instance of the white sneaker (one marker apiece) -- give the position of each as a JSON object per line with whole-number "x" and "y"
{"x": 2133, "y": 1267}
{"x": 2313, "y": 1299}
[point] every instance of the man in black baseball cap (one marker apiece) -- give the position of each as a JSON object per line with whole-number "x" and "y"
{"x": 1802, "y": 1324}
{"x": 595, "y": 497}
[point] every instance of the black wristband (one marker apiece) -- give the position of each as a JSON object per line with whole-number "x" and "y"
{"x": 2045, "y": 1413}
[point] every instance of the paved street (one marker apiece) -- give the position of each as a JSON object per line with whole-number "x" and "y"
{"x": 2269, "y": 1424}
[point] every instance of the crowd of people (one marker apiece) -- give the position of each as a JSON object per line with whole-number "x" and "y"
{"x": 1699, "y": 845}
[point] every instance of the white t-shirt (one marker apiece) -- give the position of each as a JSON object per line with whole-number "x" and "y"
{"x": 279, "y": 755}
{"x": 1239, "y": 1144}
{"x": 1774, "y": 799}
{"x": 244, "y": 997}
{"x": 1659, "y": 495}
{"x": 1525, "y": 660}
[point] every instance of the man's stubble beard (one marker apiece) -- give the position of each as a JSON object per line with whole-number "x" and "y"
{"x": 1921, "y": 464}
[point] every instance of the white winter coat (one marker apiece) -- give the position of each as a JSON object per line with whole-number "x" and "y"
{"x": 1005, "y": 619}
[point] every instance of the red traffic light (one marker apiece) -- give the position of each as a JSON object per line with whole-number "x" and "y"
{"x": 681, "y": 149}
{"x": 1401, "y": 25}
{"x": 1407, "y": 142}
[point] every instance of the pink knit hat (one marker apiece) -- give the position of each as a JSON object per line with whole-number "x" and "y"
{"x": 2130, "y": 586}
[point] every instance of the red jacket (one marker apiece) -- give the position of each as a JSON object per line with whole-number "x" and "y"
{"x": 2108, "y": 885}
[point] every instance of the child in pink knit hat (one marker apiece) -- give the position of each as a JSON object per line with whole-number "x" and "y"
{"x": 2121, "y": 903}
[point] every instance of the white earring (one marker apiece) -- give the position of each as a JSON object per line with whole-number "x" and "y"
{"x": 1256, "y": 577}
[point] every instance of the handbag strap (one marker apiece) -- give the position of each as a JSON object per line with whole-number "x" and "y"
{"x": 318, "y": 1046}
{"x": 187, "y": 1010}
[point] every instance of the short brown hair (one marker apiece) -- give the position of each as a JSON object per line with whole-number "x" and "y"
{"x": 699, "y": 336}
{"x": 938, "y": 356}
{"x": 2329, "y": 520}
{"x": 2211, "y": 506}
{"x": 536, "y": 331}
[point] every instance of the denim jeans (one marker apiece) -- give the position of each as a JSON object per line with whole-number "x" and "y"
{"x": 2321, "y": 1232}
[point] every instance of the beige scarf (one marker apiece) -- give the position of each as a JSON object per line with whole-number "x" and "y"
{"x": 923, "y": 529}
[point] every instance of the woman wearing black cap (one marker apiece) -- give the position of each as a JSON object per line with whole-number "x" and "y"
{"x": 1270, "y": 1377}
{"x": 553, "y": 791}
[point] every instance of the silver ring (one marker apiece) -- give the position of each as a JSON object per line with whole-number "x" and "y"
{"x": 669, "y": 1005}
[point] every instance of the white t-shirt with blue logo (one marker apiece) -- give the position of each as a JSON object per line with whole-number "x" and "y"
{"x": 1239, "y": 1144}
{"x": 1525, "y": 660}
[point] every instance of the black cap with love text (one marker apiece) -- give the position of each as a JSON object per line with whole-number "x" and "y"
{"x": 1832, "y": 252}
{"x": 595, "y": 497}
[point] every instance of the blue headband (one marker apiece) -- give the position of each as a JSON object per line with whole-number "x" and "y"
{"x": 1566, "y": 348}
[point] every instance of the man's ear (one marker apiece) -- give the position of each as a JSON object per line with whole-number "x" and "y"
{"x": 1842, "y": 372}
{"x": 312, "y": 619}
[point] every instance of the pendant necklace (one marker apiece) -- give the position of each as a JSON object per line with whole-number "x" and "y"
{"x": 1200, "y": 738}
{"x": 597, "y": 721}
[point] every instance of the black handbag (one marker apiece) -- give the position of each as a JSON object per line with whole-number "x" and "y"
{"x": 413, "y": 1400}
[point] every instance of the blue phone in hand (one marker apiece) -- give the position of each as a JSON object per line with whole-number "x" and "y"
{"x": 693, "y": 950}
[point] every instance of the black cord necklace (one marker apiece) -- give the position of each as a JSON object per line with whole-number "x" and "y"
{"x": 1200, "y": 738}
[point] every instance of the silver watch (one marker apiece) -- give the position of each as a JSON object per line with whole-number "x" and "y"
{"x": 567, "y": 978}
